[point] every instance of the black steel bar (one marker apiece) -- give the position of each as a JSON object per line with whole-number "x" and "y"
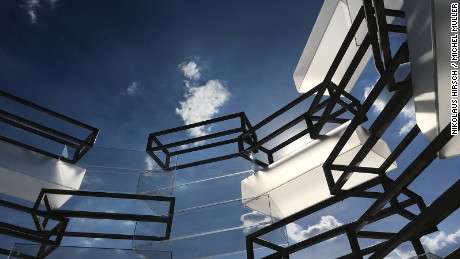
{"x": 281, "y": 111}
{"x": 335, "y": 96}
{"x": 338, "y": 58}
{"x": 379, "y": 11}
{"x": 209, "y": 160}
{"x": 110, "y": 216}
{"x": 202, "y": 138}
{"x": 441, "y": 208}
{"x": 47, "y": 111}
{"x": 367, "y": 104}
{"x": 113, "y": 236}
{"x": 310, "y": 241}
{"x": 158, "y": 160}
{"x": 319, "y": 206}
{"x": 268, "y": 244}
{"x": 106, "y": 194}
{"x": 202, "y": 147}
{"x": 38, "y": 132}
{"x": 41, "y": 127}
{"x": 381, "y": 124}
{"x": 344, "y": 229}
{"x": 372, "y": 32}
{"x": 358, "y": 169}
{"x": 418, "y": 247}
{"x": 374, "y": 235}
{"x": 396, "y": 28}
{"x": 395, "y": 13}
{"x": 198, "y": 124}
{"x": 411, "y": 172}
{"x": 353, "y": 241}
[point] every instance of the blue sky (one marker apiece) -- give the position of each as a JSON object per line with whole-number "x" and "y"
{"x": 131, "y": 68}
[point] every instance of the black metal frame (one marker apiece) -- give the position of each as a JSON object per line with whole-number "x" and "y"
{"x": 81, "y": 146}
{"x": 379, "y": 30}
{"x": 245, "y": 126}
{"x": 166, "y": 219}
{"x": 418, "y": 225}
{"x": 39, "y": 235}
{"x": 313, "y": 122}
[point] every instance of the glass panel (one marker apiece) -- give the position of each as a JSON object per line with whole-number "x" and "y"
{"x": 209, "y": 191}
{"x": 120, "y": 159}
{"x": 92, "y": 252}
{"x": 221, "y": 168}
{"x": 223, "y": 242}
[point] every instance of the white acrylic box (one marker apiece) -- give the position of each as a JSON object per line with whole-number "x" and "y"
{"x": 297, "y": 181}
{"x": 428, "y": 32}
{"x": 23, "y": 173}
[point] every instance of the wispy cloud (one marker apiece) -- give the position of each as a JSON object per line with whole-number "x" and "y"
{"x": 437, "y": 241}
{"x": 150, "y": 164}
{"x": 190, "y": 70}
{"x": 297, "y": 233}
{"x": 32, "y": 6}
{"x": 132, "y": 89}
{"x": 201, "y": 102}
{"x": 400, "y": 254}
{"x": 407, "y": 113}
{"x": 254, "y": 219}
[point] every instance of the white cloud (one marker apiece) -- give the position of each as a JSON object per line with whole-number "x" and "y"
{"x": 32, "y": 6}
{"x": 190, "y": 70}
{"x": 407, "y": 113}
{"x": 132, "y": 89}
{"x": 437, "y": 241}
{"x": 150, "y": 163}
{"x": 399, "y": 254}
{"x": 202, "y": 103}
{"x": 298, "y": 234}
{"x": 379, "y": 104}
{"x": 254, "y": 219}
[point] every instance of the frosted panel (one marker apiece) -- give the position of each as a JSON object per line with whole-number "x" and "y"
{"x": 212, "y": 244}
{"x": 297, "y": 181}
{"x": 92, "y": 253}
{"x": 25, "y": 173}
{"x": 429, "y": 36}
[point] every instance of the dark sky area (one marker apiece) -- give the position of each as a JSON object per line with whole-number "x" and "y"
{"x": 131, "y": 68}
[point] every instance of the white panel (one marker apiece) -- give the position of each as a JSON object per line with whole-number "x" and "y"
{"x": 330, "y": 29}
{"x": 24, "y": 173}
{"x": 430, "y": 67}
{"x": 327, "y": 36}
{"x": 297, "y": 181}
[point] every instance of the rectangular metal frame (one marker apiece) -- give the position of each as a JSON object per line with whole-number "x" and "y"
{"x": 81, "y": 146}
{"x": 166, "y": 219}
{"x": 155, "y": 145}
{"x": 39, "y": 235}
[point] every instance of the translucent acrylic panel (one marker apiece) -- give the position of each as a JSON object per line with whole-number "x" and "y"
{"x": 119, "y": 159}
{"x": 144, "y": 228}
{"x": 93, "y": 252}
{"x": 110, "y": 180}
{"x": 209, "y": 191}
{"x": 220, "y": 168}
{"x": 103, "y": 226}
{"x": 231, "y": 214}
{"x": 156, "y": 183}
{"x": 192, "y": 194}
{"x": 223, "y": 242}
